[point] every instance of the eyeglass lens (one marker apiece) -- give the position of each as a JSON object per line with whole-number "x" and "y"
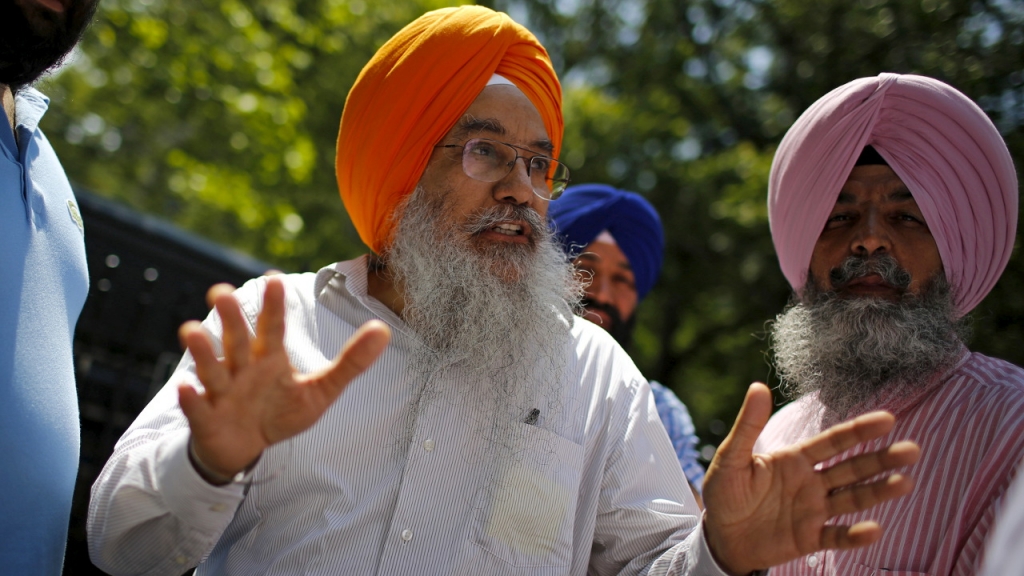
{"x": 490, "y": 160}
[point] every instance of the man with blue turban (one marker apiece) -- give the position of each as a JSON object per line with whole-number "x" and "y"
{"x": 615, "y": 237}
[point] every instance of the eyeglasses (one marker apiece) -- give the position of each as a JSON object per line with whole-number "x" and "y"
{"x": 489, "y": 161}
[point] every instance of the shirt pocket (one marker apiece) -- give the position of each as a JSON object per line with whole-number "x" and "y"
{"x": 525, "y": 513}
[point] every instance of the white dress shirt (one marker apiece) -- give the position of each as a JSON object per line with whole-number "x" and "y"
{"x": 379, "y": 486}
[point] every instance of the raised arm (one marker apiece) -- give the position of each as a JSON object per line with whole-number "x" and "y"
{"x": 151, "y": 512}
{"x": 252, "y": 397}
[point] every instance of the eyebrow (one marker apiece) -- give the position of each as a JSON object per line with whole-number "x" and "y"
{"x": 468, "y": 125}
{"x": 594, "y": 257}
{"x": 901, "y": 194}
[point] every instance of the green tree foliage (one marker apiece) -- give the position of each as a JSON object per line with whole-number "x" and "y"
{"x": 223, "y": 116}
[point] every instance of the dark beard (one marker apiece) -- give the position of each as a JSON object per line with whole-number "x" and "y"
{"x": 851, "y": 350}
{"x": 621, "y": 330}
{"x": 34, "y": 39}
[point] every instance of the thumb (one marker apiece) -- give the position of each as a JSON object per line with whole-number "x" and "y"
{"x": 738, "y": 446}
{"x": 358, "y": 354}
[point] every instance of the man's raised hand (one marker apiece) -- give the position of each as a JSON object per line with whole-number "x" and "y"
{"x": 767, "y": 509}
{"x": 253, "y": 398}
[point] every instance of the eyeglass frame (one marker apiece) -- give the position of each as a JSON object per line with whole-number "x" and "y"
{"x": 527, "y": 161}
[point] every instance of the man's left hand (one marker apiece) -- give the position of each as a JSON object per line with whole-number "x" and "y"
{"x": 767, "y": 509}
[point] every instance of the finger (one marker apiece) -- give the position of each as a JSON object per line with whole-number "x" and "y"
{"x": 865, "y": 496}
{"x": 210, "y": 370}
{"x": 738, "y": 446}
{"x": 842, "y": 437}
{"x": 270, "y": 323}
{"x": 235, "y": 336}
{"x": 864, "y": 466}
{"x": 846, "y": 537}
{"x": 192, "y": 404}
{"x": 217, "y": 290}
{"x": 361, "y": 350}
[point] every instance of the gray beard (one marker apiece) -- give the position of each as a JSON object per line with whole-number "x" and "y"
{"x": 852, "y": 350}
{"x": 494, "y": 314}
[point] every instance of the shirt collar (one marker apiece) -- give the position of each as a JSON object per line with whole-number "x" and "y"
{"x": 351, "y": 276}
{"x": 898, "y": 400}
{"x": 30, "y": 105}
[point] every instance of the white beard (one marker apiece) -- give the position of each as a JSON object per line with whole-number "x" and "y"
{"x": 499, "y": 313}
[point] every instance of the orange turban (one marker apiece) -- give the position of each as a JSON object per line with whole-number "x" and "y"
{"x": 411, "y": 93}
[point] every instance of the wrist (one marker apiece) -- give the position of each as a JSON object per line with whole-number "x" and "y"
{"x": 721, "y": 555}
{"x": 215, "y": 477}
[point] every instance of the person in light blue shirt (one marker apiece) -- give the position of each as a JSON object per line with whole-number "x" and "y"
{"x": 615, "y": 236}
{"x": 43, "y": 285}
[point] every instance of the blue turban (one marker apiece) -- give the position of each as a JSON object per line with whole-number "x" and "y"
{"x": 586, "y": 210}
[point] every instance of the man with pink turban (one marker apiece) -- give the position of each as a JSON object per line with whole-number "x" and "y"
{"x": 483, "y": 430}
{"x": 893, "y": 208}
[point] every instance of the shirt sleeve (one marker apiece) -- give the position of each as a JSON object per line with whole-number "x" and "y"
{"x": 648, "y": 521}
{"x": 150, "y": 512}
{"x": 681, "y": 432}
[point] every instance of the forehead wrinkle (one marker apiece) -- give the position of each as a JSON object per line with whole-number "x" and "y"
{"x": 471, "y": 125}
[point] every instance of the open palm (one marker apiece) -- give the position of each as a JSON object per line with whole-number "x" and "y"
{"x": 253, "y": 398}
{"x": 767, "y": 509}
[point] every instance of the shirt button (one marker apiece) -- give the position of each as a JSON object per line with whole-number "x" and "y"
{"x": 812, "y": 560}
{"x": 406, "y": 534}
{"x": 428, "y": 445}
{"x": 219, "y": 507}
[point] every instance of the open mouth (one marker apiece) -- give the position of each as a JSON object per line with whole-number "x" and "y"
{"x": 508, "y": 229}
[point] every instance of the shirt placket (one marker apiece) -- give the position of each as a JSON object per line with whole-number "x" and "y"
{"x": 436, "y": 484}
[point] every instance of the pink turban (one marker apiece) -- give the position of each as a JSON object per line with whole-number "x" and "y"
{"x": 939, "y": 143}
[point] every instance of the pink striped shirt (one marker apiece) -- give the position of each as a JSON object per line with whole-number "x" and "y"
{"x": 969, "y": 422}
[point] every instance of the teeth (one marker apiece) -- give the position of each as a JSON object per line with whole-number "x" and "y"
{"x": 509, "y": 229}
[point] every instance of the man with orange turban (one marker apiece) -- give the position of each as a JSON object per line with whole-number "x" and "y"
{"x": 483, "y": 429}
{"x": 893, "y": 207}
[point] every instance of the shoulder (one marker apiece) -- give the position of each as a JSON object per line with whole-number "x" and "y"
{"x": 669, "y": 405}
{"x": 986, "y": 383}
{"x": 992, "y": 374}
{"x": 298, "y": 289}
{"x": 595, "y": 352}
{"x": 985, "y": 389}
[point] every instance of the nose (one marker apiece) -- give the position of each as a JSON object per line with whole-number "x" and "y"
{"x": 516, "y": 187}
{"x": 871, "y": 237}
{"x": 599, "y": 290}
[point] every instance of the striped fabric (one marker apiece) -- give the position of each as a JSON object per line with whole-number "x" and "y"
{"x": 380, "y": 487}
{"x": 681, "y": 432}
{"x": 969, "y": 423}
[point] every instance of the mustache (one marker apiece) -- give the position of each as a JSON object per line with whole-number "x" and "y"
{"x": 856, "y": 267}
{"x": 489, "y": 217}
{"x": 612, "y": 313}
